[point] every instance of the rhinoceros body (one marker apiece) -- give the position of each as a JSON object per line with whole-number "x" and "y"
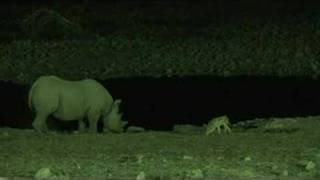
{"x": 73, "y": 100}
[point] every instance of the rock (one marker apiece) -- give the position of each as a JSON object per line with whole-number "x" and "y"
{"x": 44, "y": 173}
{"x": 281, "y": 125}
{"x": 188, "y": 129}
{"x": 195, "y": 174}
{"x": 186, "y": 157}
{"x": 246, "y": 159}
{"x": 310, "y": 166}
{"x": 141, "y": 176}
{"x": 135, "y": 129}
{"x": 285, "y": 173}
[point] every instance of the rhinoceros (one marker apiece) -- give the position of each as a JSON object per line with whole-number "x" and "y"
{"x": 74, "y": 100}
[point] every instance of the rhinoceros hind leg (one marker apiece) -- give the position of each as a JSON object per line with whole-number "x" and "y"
{"x": 39, "y": 123}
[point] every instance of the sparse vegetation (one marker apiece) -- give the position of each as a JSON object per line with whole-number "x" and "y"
{"x": 163, "y": 154}
{"x": 132, "y": 44}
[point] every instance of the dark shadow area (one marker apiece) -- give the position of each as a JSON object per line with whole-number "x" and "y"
{"x": 159, "y": 103}
{"x": 14, "y": 111}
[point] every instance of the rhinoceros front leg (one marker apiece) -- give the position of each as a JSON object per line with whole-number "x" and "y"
{"x": 40, "y": 122}
{"x": 82, "y": 126}
{"x": 93, "y": 118}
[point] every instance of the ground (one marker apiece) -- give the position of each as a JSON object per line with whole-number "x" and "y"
{"x": 164, "y": 155}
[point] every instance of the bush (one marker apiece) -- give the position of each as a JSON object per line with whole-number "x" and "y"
{"x": 265, "y": 50}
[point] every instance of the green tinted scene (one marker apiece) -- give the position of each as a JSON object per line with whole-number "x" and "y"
{"x": 155, "y": 90}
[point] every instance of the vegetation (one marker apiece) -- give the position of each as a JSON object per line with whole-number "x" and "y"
{"x": 264, "y": 52}
{"x": 136, "y": 44}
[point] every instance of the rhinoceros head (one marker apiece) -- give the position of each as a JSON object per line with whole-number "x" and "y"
{"x": 113, "y": 121}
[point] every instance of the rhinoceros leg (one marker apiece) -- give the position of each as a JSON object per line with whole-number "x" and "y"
{"x": 39, "y": 123}
{"x": 93, "y": 117}
{"x": 82, "y": 126}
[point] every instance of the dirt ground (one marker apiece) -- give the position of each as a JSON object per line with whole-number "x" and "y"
{"x": 244, "y": 153}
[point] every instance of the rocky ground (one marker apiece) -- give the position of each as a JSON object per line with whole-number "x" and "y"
{"x": 249, "y": 150}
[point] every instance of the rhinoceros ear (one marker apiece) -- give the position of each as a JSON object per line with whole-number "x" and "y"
{"x": 117, "y": 102}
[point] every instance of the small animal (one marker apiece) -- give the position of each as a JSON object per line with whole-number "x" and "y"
{"x": 73, "y": 100}
{"x": 218, "y": 123}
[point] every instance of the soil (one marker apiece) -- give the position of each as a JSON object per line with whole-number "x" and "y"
{"x": 244, "y": 153}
